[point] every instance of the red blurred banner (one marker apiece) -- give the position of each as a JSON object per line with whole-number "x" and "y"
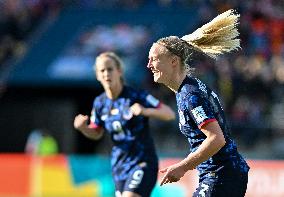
{"x": 18, "y": 178}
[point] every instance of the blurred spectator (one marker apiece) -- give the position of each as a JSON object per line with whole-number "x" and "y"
{"x": 40, "y": 142}
{"x": 17, "y": 20}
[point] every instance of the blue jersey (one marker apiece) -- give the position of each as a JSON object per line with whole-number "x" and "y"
{"x": 133, "y": 144}
{"x": 198, "y": 105}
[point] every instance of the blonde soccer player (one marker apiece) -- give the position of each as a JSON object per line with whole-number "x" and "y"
{"x": 123, "y": 112}
{"x": 222, "y": 170}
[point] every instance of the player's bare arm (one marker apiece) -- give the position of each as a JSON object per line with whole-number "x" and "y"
{"x": 163, "y": 112}
{"x": 81, "y": 124}
{"x": 210, "y": 146}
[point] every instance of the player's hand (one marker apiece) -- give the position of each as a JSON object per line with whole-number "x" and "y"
{"x": 80, "y": 121}
{"x": 173, "y": 173}
{"x": 137, "y": 109}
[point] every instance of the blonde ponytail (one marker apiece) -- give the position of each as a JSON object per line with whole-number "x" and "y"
{"x": 217, "y": 37}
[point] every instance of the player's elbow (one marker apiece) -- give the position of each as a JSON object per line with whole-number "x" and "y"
{"x": 97, "y": 137}
{"x": 221, "y": 141}
{"x": 93, "y": 133}
{"x": 98, "y": 134}
{"x": 218, "y": 141}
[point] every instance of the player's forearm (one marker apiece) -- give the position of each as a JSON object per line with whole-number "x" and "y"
{"x": 92, "y": 133}
{"x": 163, "y": 113}
{"x": 209, "y": 147}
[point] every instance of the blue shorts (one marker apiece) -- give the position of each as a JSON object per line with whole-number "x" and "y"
{"x": 141, "y": 180}
{"x": 233, "y": 188}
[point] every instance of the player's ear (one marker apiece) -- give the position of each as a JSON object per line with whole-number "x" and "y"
{"x": 174, "y": 60}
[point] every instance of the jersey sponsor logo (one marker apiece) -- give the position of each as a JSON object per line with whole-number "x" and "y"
{"x": 152, "y": 100}
{"x": 181, "y": 117}
{"x": 136, "y": 179}
{"x": 199, "y": 114}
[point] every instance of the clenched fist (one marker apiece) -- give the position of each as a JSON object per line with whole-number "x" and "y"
{"x": 80, "y": 121}
{"x": 137, "y": 109}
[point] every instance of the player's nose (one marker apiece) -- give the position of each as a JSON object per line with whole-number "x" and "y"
{"x": 149, "y": 65}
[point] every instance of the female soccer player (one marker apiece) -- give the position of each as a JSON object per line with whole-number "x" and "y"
{"x": 124, "y": 112}
{"x": 222, "y": 170}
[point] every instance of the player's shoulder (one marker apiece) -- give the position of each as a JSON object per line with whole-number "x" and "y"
{"x": 100, "y": 99}
{"x": 142, "y": 96}
{"x": 190, "y": 85}
{"x": 101, "y": 96}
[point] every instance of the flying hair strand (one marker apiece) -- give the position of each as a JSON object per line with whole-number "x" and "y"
{"x": 218, "y": 36}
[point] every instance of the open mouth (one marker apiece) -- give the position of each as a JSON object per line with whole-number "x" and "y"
{"x": 155, "y": 72}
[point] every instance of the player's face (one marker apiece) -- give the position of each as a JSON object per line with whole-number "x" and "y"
{"x": 107, "y": 72}
{"x": 159, "y": 64}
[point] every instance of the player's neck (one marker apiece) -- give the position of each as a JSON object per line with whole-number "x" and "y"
{"x": 114, "y": 92}
{"x": 176, "y": 81}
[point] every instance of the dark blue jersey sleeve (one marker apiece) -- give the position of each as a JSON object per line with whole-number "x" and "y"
{"x": 149, "y": 101}
{"x": 95, "y": 120}
{"x": 200, "y": 109}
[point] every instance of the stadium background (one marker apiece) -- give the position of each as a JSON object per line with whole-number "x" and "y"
{"x": 47, "y": 48}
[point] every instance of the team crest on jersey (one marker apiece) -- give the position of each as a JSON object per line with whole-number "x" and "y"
{"x": 181, "y": 117}
{"x": 152, "y": 100}
{"x": 199, "y": 114}
{"x": 127, "y": 114}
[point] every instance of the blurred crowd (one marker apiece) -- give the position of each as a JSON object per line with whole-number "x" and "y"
{"x": 250, "y": 81}
{"x": 18, "y": 21}
{"x": 18, "y": 18}
{"x": 129, "y": 41}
